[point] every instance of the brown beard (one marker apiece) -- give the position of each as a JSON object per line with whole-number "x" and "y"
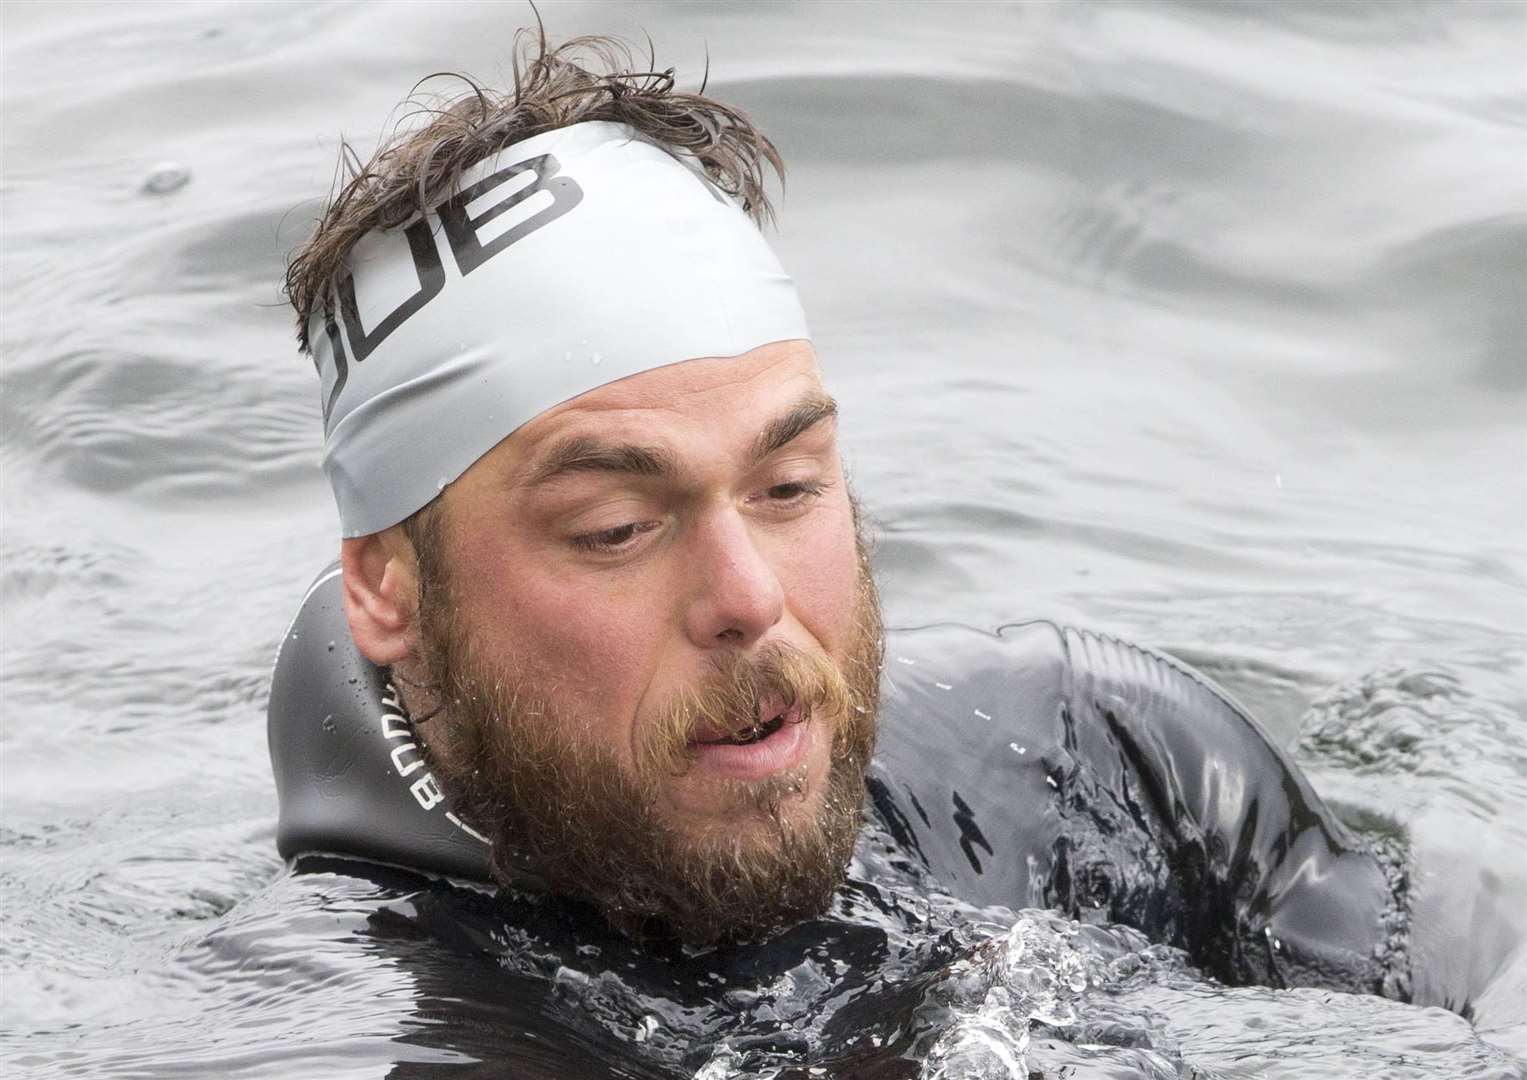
{"x": 571, "y": 814}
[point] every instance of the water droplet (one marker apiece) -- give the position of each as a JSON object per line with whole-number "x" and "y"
{"x": 1018, "y": 749}
{"x": 596, "y": 358}
{"x": 331, "y": 646}
{"x": 440, "y": 484}
{"x": 943, "y": 686}
{"x": 328, "y": 723}
{"x": 165, "y": 177}
{"x": 981, "y": 714}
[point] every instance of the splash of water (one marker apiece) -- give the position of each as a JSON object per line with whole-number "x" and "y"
{"x": 1032, "y": 974}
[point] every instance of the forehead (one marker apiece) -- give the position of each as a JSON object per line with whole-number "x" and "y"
{"x": 719, "y": 397}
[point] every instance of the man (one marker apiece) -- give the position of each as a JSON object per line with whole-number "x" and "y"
{"x": 597, "y": 529}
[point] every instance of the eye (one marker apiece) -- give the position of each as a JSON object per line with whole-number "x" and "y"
{"x": 612, "y": 540}
{"x": 794, "y": 490}
{"x": 793, "y": 493}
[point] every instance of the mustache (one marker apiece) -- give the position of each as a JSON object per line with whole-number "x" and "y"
{"x": 728, "y": 703}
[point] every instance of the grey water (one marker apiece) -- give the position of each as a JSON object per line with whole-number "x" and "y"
{"x": 1199, "y": 323}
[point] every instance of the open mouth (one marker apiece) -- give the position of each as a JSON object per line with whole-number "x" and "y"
{"x": 756, "y": 733}
{"x": 778, "y": 741}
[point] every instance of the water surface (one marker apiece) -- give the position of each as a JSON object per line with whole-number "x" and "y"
{"x": 1200, "y": 324}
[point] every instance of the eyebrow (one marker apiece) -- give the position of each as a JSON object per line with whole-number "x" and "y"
{"x": 806, "y": 414}
{"x": 585, "y": 454}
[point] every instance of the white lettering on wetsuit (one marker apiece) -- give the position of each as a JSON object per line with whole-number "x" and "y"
{"x": 408, "y": 759}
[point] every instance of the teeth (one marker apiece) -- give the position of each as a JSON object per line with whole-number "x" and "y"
{"x": 758, "y": 732}
{"x": 751, "y": 735}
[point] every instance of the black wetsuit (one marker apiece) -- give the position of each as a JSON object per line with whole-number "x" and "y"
{"x": 1036, "y": 767}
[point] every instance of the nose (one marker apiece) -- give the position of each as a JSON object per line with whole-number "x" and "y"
{"x": 735, "y": 595}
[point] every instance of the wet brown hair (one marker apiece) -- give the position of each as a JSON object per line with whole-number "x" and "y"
{"x": 586, "y": 78}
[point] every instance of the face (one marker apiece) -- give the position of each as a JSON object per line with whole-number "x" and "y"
{"x": 652, "y": 638}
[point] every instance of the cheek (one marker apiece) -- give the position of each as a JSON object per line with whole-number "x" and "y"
{"x": 586, "y": 640}
{"x": 820, "y": 568}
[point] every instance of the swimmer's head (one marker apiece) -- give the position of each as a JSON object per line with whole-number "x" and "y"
{"x": 595, "y": 515}
{"x": 519, "y": 250}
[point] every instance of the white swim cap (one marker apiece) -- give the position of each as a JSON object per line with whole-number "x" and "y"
{"x": 570, "y": 260}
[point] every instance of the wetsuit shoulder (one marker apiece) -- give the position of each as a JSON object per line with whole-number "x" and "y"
{"x": 1072, "y": 770}
{"x": 1277, "y": 891}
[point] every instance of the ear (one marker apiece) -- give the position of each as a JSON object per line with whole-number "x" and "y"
{"x": 381, "y": 591}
